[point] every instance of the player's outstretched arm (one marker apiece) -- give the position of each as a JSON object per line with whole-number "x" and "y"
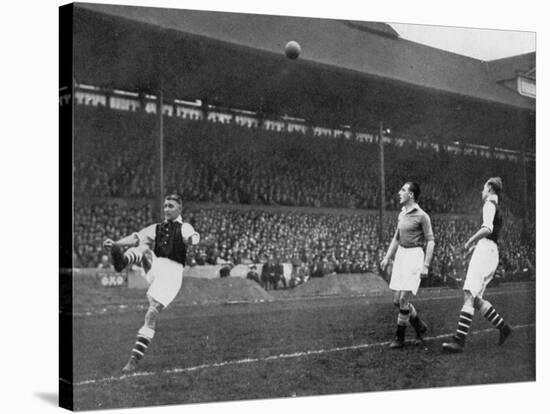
{"x": 190, "y": 236}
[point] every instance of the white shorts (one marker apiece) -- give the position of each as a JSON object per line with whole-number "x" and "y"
{"x": 407, "y": 267}
{"x": 482, "y": 267}
{"x": 165, "y": 278}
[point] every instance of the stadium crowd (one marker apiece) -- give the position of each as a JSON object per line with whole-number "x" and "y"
{"x": 325, "y": 242}
{"x": 229, "y": 164}
{"x": 212, "y": 162}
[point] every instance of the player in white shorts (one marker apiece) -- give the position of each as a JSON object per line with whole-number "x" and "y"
{"x": 414, "y": 230}
{"x": 161, "y": 249}
{"x": 482, "y": 267}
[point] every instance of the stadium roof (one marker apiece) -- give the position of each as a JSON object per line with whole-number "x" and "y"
{"x": 356, "y": 74}
{"x": 366, "y": 47}
{"x": 509, "y": 68}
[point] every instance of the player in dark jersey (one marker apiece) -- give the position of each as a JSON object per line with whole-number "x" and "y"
{"x": 414, "y": 230}
{"x": 161, "y": 249}
{"x": 481, "y": 270}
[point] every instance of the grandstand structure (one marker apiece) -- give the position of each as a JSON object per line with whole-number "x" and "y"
{"x": 121, "y": 100}
{"x": 242, "y": 125}
{"x": 352, "y": 74}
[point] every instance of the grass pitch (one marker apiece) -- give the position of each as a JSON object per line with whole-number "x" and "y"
{"x": 296, "y": 347}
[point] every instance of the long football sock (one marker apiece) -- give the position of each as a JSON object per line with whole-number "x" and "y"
{"x": 464, "y": 323}
{"x": 402, "y": 322}
{"x": 132, "y": 257}
{"x": 489, "y": 313}
{"x": 415, "y": 321}
{"x": 144, "y": 338}
{"x": 414, "y": 318}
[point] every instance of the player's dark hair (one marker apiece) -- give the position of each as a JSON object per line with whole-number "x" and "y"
{"x": 174, "y": 197}
{"x": 496, "y": 185}
{"x": 414, "y": 188}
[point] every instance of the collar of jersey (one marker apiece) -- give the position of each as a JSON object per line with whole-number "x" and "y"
{"x": 492, "y": 197}
{"x": 178, "y": 220}
{"x": 413, "y": 207}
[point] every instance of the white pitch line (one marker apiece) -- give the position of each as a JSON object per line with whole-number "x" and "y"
{"x": 269, "y": 358}
{"x": 124, "y": 308}
{"x": 501, "y": 292}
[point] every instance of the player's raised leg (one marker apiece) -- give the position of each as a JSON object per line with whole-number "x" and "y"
{"x": 133, "y": 255}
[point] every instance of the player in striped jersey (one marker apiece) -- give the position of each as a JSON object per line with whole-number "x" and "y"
{"x": 482, "y": 267}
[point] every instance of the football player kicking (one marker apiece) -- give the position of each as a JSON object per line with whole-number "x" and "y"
{"x": 161, "y": 249}
{"x": 482, "y": 267}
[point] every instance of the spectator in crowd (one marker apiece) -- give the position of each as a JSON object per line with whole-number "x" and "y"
{"x": 253, "y": 274}
{"x": 225, "y": 270}
{"x": 268, "y": 273}
{"x": 105, "y": 263}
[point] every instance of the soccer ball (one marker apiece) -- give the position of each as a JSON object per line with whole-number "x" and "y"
{"x": 292, "y": 49}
